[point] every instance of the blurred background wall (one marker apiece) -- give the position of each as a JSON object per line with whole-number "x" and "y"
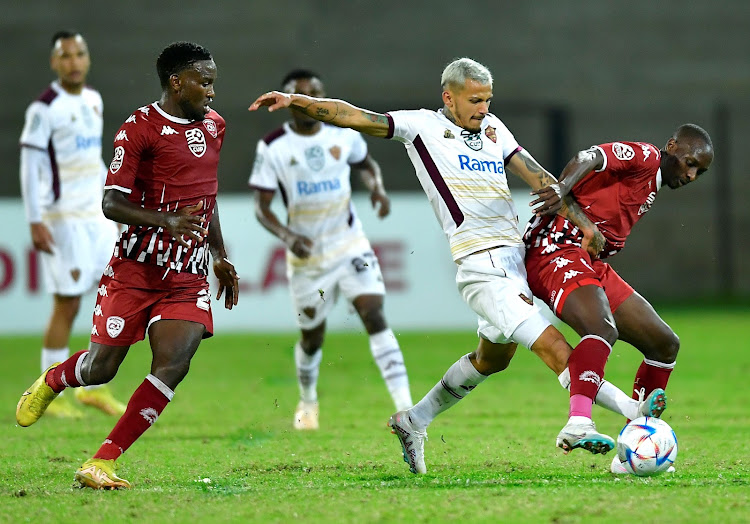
{"x": 567, "y": 75}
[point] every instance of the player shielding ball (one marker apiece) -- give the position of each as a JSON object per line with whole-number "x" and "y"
{"x": 328, "y": 254}
{"x": 615, "y": 184}
{"x": 460, "y": 154}
{"x": 62, "y": 181}
{"x": 162, "y": 182}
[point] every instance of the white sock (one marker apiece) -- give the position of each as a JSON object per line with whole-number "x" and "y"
{"x": 609, "y": 397}
{"x": 390, "y": 360}
{"x": 53, "y": 356}
{"x": 308, "y": 367}
{"x": 458, "y": 381}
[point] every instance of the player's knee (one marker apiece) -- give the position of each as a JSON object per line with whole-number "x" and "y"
{"x": 311, "y": 343}
{"x": 98, "y": 369}
{"x": 489, "y": 362}
{"x": 374, "y": 320}
{"x": 669, "y": 348}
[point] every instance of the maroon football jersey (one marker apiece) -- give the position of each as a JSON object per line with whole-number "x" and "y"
{"x": 614, "y": 198}
{"x": 166, "y": 163}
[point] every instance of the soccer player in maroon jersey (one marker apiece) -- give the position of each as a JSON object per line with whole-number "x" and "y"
{"x": 615, "y": 184}
{"x": 162, "y": 182}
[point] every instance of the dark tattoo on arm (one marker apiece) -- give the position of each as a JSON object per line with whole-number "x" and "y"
{"x": 538, "y": 171}
{"x": 372, "y": 117}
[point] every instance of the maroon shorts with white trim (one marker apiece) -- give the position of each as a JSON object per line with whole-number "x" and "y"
{"x": 554, "y": 275}
{"x": 134, "y": 295}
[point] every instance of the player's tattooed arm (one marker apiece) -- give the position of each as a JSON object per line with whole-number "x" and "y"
{"x": 549, "y": 199}
{"x": 332, "y": 111}
{"x": 593, "y": 240}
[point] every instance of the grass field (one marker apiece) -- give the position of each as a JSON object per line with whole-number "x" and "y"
{"x": 491, "y": 458}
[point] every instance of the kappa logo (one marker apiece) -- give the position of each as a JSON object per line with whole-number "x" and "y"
{"x": 102, "y": 291}
{"x": 647, "y": 205}
{"x": 448, "y": 134}
{"x": 473, "y": 140}
{"x": 210, "y": 126}
{"x": 116, "y": 164}
{"x": 571, "y": 274}
{"x": 108, "y": 271}
{"x": 561, "y": 262}
{"x": 490, "y": 133}
{"x": 196, "y": 141}
{"x": 150, "y": 415}
{"x": 646, "y": 151}
{"x": 167, "y": 130}
{"x": 122, "y": 135}
{"x": 115, "y": 326}
{"x": 98, "y": 311}
{"x": 94, "y": 331}
{"x": 590, "y": 376}
{"x": 204, "y": 300}
{"x": 131, "y": 120}
{"x": 550, "y": 249}
{"x": 144, "y": 110}
{"x": 315, "y": 158}
{"x": 622, "y": 151}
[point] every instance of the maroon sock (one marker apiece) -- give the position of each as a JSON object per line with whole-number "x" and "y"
{"x": 586, "y": 365}
{"x": 144, "y": 408}
{"x": 652, "y": 375}
{"x": 64, "y": 375}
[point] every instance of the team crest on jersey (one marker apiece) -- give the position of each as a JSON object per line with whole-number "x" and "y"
{"x": 335, "y": 152}
{"x": 526, "y": 299}
{"x": 622, "y": 151}
{"x": 448, "y": 134}
{"x": 116, "y": 164}
{"x": 473, "y": 140}
{"x": 315, "y": 158}
{"x": 210, "y": 126}
{"x": 114, "y": 326}
{"x": 196, "y": 141}
{"x": 490, "y": 133}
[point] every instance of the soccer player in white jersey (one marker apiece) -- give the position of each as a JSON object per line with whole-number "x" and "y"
{"x": 460, "y": 154}
{"x": 62, "y": 181}
{"x": 310, "y": 164}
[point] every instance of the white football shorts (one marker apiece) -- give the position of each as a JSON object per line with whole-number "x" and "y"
{"x": 493, "y": 283}
{"x": 315, "y": 293}
{"x": 81, "y": 251}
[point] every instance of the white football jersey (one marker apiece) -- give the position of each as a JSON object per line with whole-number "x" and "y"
{"x": 312, "y": 173}
{"x": 463, "y": 175}
{"x": 69, "y": 129}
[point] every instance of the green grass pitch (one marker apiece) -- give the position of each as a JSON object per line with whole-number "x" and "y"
{"x": 491, "y": 458}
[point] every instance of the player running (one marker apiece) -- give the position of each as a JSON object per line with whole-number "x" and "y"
{"x": 460, "y": 154}
{"x": 615, "y": 185}
{"x": 162, "y": 182}
{"x": 328, "y": 253}
{"x": 62, "y": 180}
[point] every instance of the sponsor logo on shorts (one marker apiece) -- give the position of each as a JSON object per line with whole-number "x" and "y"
{"x": 94, "y": 331}
{"x": 622, "y": 151}
{"x": 108, "y": 271}
{"x": 102, "y": 290}
{"x": 561, "y": 262}
{"x": 196, "y": 142}
{"x": 98, "y": 311}
{"x": 114, "y": 326}
{"x": 116, "y": 164}
{"x": 571, "y": 274}
{"x": 210, "y": 126}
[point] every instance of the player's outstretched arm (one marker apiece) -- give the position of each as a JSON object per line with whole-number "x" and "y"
{"x": 300, "y": 245}
{"x": 578, "y": 167}
{"x": 182, "y": 223}
{"x": 551, "y": 200}
{"x": 332, "y": 111}
{"x": 372, "y": 178}
{"x": 223, "y": 268}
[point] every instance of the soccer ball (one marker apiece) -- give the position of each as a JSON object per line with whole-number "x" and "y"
{"x": 647, "y": 446}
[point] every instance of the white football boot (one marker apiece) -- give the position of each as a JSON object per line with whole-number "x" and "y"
{"x": 411, "y": 439}
{"x": 585, "y": 436}
{"x": 306, "y": 416}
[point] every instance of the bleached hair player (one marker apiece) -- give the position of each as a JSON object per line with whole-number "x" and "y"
{"x": 460, "y": 154}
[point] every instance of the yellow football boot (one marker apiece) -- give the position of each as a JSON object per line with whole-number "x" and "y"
{"x": 35, "y": 400}
{"x": 100, "y": 398}
{"x": 100, "y": 474}
{"x": 62, "y": 407}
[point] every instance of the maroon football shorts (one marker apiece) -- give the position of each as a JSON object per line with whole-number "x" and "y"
{"x": 133, "y": 295}
{"x": 553, "y": 276}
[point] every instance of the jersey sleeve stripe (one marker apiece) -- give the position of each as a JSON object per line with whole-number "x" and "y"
{"x": 32, "y": 146}
{"x": 119, "y": 188}
{"x": 255, "y": 187}
{"x": 55, "y": 171}
{"x": 391, "y": 126}
{"x": 516, "y": 150}
{"x": 437, "y": 179}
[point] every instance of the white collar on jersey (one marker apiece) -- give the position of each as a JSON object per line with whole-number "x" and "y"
{"x": 166, "y": 115}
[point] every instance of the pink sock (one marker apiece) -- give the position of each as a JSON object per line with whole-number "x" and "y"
{"x": 144, "y": 407}
{"x": 652, "y": 375}
{"x": 65, "y": 375}
{"x": 586, "y": 365}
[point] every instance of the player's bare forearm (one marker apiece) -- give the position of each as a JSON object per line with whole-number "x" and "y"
{"x": 593, "y": 240}
{"x": 371, "y": 175}
{"x": 118, "y": 208}
{"x": 524, "y": 166}
{"x": 266, "y": 217}
{"x": 215, "y": 236}
{"x": 332, "y": 111}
